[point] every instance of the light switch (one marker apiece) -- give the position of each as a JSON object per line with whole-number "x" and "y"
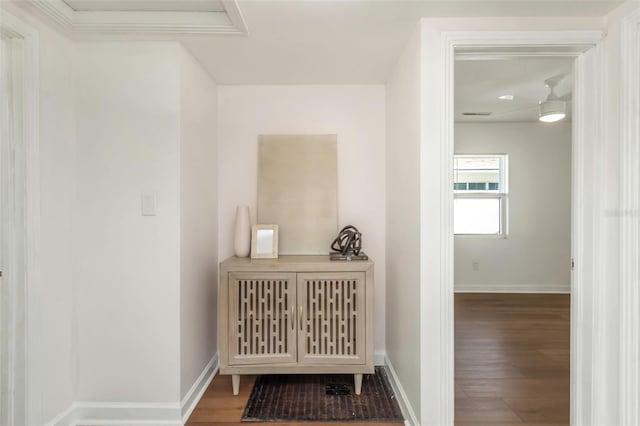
{"x": 148, "y": 204}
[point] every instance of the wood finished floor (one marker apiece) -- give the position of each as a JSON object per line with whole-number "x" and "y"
{"x": 512, "y": 359}
{"x": 512, "y": 366}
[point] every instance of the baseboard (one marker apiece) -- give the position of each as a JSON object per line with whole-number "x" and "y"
{"x": 401, "y": 396}
{"x": 66, "y": 418}
{"x": 201, "y": 384}
{"x": 137, "y": 414}
{"x": 524, "y": 288}
{"x": 378, "y": 357}
{"x": 120, "y": 414}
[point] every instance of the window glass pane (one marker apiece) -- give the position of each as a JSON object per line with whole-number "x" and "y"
{"x": 477, "y": 186}
{"x": 460, "y": 186}
{"x": 476, "y": 216}
{"x": 480, "y": 173}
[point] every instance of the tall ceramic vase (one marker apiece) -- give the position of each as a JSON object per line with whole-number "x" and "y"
{"x": 242, "y": 238}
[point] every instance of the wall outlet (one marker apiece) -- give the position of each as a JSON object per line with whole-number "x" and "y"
{"x": 475, "y": 266}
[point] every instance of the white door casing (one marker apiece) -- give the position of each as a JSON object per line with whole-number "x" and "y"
{"x": 437, "y": 147}
{"x": 630, "y": 222}
{"x": 19, "y": 180}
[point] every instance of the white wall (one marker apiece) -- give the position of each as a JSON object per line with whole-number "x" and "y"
{"x": 198, "y": 219}
{"x": 57, "y": 186}
{"x": 51, "y": 367}
{"x": 355, "y": 113}
{"x": 536, "y": 255}
{"x": 403, "y": 221}
{"x": 127, "y": 268}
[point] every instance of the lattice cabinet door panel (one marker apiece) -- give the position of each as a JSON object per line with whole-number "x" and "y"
{"x": 331, "y": 317}
{"x": 262, "y": 328}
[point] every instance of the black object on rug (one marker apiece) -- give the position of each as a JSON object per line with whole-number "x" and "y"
{"x": 322, "y": 397}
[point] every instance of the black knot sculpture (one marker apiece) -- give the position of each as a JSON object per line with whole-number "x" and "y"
{"x": 348, "y": 245}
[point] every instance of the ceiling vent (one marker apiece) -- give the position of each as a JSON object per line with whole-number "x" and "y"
{"x": 481, "y": 114}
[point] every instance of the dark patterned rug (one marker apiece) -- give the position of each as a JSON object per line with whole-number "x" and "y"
{"x": 322, "y": 397}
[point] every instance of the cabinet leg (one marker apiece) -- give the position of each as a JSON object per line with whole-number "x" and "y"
{"x": 357, "y": 378}
{"x": 235, "y": 380}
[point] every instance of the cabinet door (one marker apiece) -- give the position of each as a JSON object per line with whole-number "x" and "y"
{"x": 331, "y": 316}
{"x": 262, "y": 327}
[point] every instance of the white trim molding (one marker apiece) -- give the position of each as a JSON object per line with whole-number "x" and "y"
{"x": 21, "y": 222}
{"x": 514, "y": 288}
{"x": 87, "y": 413}
{"x": 198, "y": 389}
{"x": 228, "y": 22}
{"x": 437, "y": 147}
{"x": 83, "y": 413}
{"x": 588, "y": 298}
{"x": 630, "y": 222}
{"x": 403, "y": 401}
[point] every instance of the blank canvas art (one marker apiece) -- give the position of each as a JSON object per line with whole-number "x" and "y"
{"x": 297, "y": 190}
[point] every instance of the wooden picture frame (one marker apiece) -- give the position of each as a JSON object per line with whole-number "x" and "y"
{"x": 264, "y": 242}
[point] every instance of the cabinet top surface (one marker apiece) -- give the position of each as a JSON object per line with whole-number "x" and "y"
{"x": 296, "y": 263}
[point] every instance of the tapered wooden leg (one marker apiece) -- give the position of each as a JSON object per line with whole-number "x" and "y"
{"x": 357, "y": 378}
{"x": 235, "y": 380}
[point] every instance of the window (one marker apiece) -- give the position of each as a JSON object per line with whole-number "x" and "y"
{"x": 480, "y": 195}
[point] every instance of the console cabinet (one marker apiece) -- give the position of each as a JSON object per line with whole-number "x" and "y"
{"x": 295, "y": 314}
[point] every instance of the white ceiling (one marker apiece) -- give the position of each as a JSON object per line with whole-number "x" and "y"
{"x": 479, "y": 83}
{"x": 344, "y": 42}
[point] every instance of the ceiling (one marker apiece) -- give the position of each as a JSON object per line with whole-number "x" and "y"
{"x": 479, "y": 83}
{"x": 344, "y": 42}
{"x": 291, "y": 41}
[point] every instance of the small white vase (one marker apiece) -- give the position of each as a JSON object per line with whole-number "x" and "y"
{"x": 242, "y": 237}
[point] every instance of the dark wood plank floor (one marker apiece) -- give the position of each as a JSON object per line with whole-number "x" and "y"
{"x": 512, "y": 359}
{"x": 219, "y": 406}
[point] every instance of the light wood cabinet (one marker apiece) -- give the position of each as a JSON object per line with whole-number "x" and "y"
{"x": 295, "y": 314}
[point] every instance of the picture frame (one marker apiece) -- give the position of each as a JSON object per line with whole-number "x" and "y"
{"x": 264, "y": 242}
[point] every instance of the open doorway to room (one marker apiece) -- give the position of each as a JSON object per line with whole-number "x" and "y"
{"x": 512, "y": 225}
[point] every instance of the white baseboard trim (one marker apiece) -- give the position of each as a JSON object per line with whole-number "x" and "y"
{"x": 82, "y": 413}
{"x": 401, "y": 396}
{"x": 119, "y": 414}
{"x": 201, "y": 384}
{"x": 506, "y": 288}
{"x": 66, "y": 418}
{"x": 379, "y": 357}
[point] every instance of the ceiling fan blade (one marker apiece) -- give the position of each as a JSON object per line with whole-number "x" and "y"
{"x": 512, "y": 111}
{"x": 552, "y": 82}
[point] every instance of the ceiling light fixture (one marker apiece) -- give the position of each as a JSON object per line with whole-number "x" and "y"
{"x": 506, "y": 97}
{"x": 553, "y": 108}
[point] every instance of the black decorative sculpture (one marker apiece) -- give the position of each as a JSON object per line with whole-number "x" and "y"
{"x": 348, "y": 245}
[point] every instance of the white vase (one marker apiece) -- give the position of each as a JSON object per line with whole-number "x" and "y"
{"x": 242, "y": 237}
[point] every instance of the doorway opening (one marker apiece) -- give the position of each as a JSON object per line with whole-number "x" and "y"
{"x": 512, "y": 239}
{"x": 437, "y": 157}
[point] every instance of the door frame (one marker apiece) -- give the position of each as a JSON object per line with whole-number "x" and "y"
{"x": 437, "y": 149}
{"x": 20, "y": 338}
{"x": 630, "y": 222}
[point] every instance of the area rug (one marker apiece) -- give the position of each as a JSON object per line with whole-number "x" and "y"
{"x": 320, "y": 397}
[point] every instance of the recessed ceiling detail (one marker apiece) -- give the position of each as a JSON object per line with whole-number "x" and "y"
{"x": 145, "y": 16}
